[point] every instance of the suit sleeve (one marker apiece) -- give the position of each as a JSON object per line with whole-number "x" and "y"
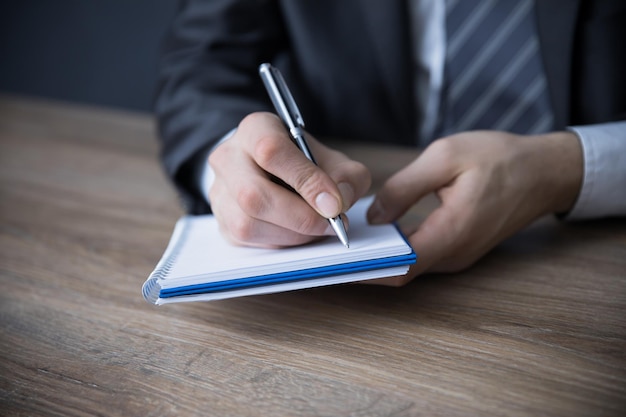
{"x": 208, "y": 81}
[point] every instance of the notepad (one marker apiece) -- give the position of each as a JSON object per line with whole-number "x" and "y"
{"x": 200, "y": 265}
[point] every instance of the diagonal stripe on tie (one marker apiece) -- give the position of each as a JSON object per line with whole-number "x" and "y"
{"x": 466, "y": 27}
{"x": 494, "y": 77}
{"x": 484, "y": 101}
{"x": 522, "y": 104}
{"x": 487, "y": 51}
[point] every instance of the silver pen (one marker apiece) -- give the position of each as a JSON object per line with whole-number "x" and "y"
{"x": 288, "y": 111}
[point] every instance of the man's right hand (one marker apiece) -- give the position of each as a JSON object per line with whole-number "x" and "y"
{"x": 253, "y": 210}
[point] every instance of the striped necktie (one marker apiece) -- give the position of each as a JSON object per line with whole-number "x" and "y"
{"x": 494, "y": 75}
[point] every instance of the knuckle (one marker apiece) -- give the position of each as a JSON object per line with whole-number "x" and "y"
{"x": 443, "y": 149}
{"x": 361, "y": 172}
{"x": 252, "y": 120}
{"x": 242, "y": 230}
{"x": 219, "y": 155}
{"x": 352, "y": 168}
{"x": 215, "y": 194}
{"x": 257, "y": 124}
{"x": 251, "y": 200}
{"x": 307, "y": 181}
{"x": 310, "y": 225}
{"x": 360, "y": 169}
{"x": 266, "y": 148}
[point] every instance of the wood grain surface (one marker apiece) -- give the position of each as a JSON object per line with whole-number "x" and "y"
{"x": 536, "y": 328}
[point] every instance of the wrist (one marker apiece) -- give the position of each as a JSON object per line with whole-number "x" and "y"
{"x": 562, "y": 160}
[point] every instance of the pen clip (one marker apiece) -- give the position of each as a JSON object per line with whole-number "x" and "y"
{"x": 283, "y": 100}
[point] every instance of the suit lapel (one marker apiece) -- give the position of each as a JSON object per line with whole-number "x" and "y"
{"x": 388, "y": 27}
{"x": 556, "y": 20}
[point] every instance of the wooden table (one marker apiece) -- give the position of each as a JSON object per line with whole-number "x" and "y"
{"x": 536, "y": 328}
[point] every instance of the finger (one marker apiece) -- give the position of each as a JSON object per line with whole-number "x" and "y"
{"x": 249, "y": 188}
{"x": 432, "y": 170}
{"x": 434, "y": 239}
{"x": 244, "y": 185}
{"x": 450, "y": 233}
{"x": 352, "y": 177}
{"x": 271, "y": 203}
{"x": 243, "y": 230}
{"x": 431, "y": 242}
{"x": 275, "y": 153}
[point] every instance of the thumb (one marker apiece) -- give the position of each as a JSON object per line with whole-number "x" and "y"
{"x": 426, "y": 174}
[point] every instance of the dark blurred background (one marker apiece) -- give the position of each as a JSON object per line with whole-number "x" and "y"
{"x": 102, "y": 52}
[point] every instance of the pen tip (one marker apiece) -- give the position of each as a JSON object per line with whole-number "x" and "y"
{"x": 340, "y": 230}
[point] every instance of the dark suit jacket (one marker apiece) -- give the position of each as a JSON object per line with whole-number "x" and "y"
{"x": 349, "y": 65}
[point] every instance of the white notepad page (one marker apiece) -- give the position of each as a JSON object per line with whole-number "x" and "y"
{"x": 197, "y": 253}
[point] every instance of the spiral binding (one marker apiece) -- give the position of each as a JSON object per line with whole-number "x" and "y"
{"x": 151, "y": 288}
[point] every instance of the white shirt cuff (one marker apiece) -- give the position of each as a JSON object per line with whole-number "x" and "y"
{"x": 603, "y": 192}
{"x": 206, "y": 175}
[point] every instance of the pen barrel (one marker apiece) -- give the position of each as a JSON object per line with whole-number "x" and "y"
{"x": 298, "y": 137}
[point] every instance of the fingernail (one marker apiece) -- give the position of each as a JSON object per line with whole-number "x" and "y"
{"x": 327, "y": 205}
{"x": 347, "y": 193}
{"x": 376, "y": 213}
